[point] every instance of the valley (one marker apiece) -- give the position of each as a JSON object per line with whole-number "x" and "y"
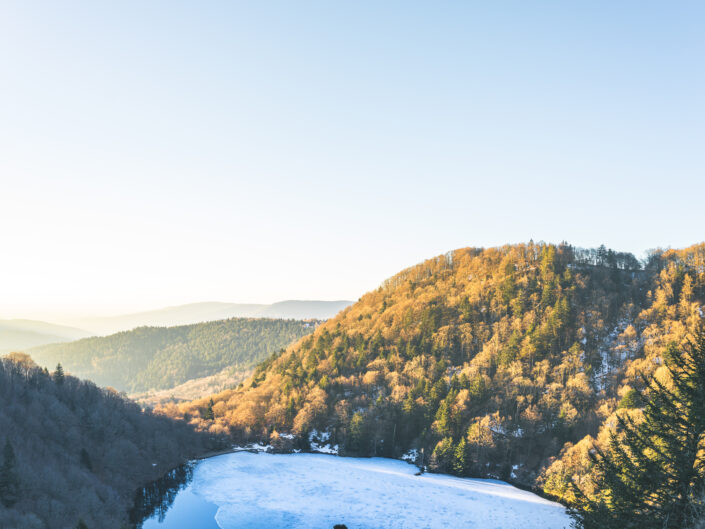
{"x": 508, "y": 365}
{"x": 195, "y": 388}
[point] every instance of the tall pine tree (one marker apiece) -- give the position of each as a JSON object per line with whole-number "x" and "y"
{"x": 9, "y": 481}
{"x": 461, "y": 463}
{"x": 209, "y": 415}
{"x": 653, "y": 475}
{"x": 59, "y": 374}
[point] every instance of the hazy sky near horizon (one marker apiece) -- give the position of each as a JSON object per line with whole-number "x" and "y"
{"x": 158, "y": 153}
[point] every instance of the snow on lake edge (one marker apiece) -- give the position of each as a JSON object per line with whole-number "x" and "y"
{"x": 318, "y": 491}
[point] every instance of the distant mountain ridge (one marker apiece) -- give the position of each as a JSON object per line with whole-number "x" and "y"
{"x": 304, "y": 310}
{"x": 212, "y": 311}
{"x": 18, "y": 334}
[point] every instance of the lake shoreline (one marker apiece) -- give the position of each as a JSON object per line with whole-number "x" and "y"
{"x": 268, "y": 450}
{"x": 256, "y": 488}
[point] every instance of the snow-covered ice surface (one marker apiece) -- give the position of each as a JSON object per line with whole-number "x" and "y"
{"x": 318, "y": 491}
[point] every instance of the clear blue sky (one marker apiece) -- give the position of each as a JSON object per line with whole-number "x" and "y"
{"x": 164, "y": 152}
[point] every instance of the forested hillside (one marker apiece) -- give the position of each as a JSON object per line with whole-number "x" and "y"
{"x": 647, "y": 353}
{"x": 163, "y": 357}
{"x": 71, "y": 451}
{"x": 489, "y": 362}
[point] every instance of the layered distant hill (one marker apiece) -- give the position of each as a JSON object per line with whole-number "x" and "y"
{"x": 211, "y": 311}
{"x": 71, "y": 451}
{"x": 18, "y": 335}
{"x": 159, "y": 358}
{"x": 485, "y": 362}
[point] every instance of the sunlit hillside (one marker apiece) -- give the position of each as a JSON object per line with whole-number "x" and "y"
{"x": 488, "y": 362}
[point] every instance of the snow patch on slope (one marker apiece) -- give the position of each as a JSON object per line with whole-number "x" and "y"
{"x": 612, "y": 353}
{"x": 320, "y": 442}
{"x": 412, "y": 456}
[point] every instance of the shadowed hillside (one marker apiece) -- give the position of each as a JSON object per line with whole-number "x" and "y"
{"x": 72, "y": 451}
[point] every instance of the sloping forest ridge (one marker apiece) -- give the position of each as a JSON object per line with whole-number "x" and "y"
{"x": 507, "y": 363}
{"x": 163, "y": 357}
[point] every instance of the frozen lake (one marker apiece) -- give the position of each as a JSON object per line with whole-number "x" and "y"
{"x": 245, "y": 490}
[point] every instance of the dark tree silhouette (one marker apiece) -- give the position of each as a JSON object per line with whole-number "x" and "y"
{"x": 9, "y": 481}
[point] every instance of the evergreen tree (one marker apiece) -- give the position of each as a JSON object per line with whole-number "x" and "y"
{"x": 9, "y": 482}
{"x": 461, "y": 463}
{"x": 631, "y": 400}
{"x": 654, "y": 476}
{"x": 209, "y": 415}
{"x": 59, "y": 374}
{"x": 358, "y": 439}
{"x": 81, "y": 525}
{"x": 443, "y": 456}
